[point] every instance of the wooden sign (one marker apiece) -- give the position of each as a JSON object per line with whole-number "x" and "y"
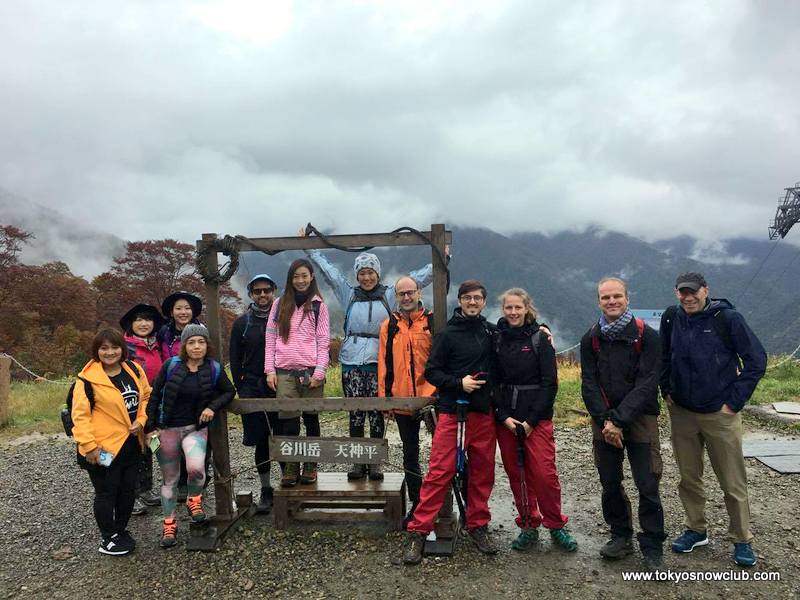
{"x": 368, "y": 451}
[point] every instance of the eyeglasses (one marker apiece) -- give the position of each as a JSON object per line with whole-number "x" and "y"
{"x": 409, "y": 293}
{"x": 468, "y": 298}
{"x": 259, "y": 291}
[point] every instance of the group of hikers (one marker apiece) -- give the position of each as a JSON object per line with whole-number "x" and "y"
{"x": 155, "y": 388}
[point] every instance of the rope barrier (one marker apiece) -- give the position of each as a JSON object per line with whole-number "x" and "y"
{"x": 27, "y": 370}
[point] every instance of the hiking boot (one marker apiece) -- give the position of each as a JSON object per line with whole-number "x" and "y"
{"x": 526, "y": 539}
{"x": 689, "y": 540}
{"x": 112, "y": 546}
{"x": 563, "y": 538}
{"x": 652, "y": 560}
{"x": 124, "y": 539}
{"x": 415, "y": 545}
{"x": 375, "y": 473}
{"x": 139, "y": 508}
{"x": 169, "y": 537}
{"x": 480, "y": 537}
{"x": 309, "y": 473}
{"x": 357, "y": 472}
{"x": 290, "y": 474}
{"x": 150, "y": 498}
{"x": 617, "y": 547}
{"x": 195, "y": 506}
{"x": 743, "y": 555}
{"x": 264, "y": 505}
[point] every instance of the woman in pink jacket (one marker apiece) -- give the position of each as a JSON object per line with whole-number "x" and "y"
{"x": 297, "y": 340}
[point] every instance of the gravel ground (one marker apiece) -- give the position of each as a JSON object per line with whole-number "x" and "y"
{"x": 50, "y": 544}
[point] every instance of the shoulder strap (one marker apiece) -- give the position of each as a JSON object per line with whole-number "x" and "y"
{"x": 429, "y": 317}
{"x": 174, "y": 363}
{"x": 87, "y": 389}
{"x": 536, "y": 339}
{"x": 723, "y": 329}
{"x": 388, "y": 380}
{"x": 216, "y": 368}
{"x": 637, "y": 345}
{"x": 595, "y": 337}
{"x": 315, "y": 308}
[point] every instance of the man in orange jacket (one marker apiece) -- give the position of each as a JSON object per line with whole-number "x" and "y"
{"x": 405, "y": 343}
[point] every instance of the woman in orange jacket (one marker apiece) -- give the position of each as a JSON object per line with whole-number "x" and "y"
{"x": 109, "y": 414}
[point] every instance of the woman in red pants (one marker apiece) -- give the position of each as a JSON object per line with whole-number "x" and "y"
{"x": 527, "y": 377}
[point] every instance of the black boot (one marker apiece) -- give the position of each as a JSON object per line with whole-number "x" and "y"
{"x": 375, "y": 472}
{"x": 617, "y": 547}
{"x": 264, "y": 505}
{"x": 357, "y": 472}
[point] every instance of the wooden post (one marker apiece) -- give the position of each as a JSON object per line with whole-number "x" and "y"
{"x": 439, "y": 277}
{"x": 218, "y": 430}
{"x": 5, "y": 388}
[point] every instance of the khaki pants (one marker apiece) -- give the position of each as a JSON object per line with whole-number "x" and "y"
{"x": 289, "y": 385}
{"x": 721, "y": 436}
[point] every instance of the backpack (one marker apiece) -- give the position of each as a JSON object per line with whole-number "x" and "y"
{"x": 637, "y": 343}
{"x": 392, "y": 332}
{"x": 66, "y": 411}
{"x": 536, "y": 338}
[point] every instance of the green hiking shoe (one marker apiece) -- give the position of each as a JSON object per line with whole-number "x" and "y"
{"x": 563, "y": 538}
{"x": 526, "y": 539}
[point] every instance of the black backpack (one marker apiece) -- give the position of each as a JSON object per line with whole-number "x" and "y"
{"x": 66, "y": 412}
{"x": 720, "y": 323}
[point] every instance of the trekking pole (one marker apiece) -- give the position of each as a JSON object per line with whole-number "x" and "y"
{"x": 460, "y": 480}
{"x": 526, "y": 506}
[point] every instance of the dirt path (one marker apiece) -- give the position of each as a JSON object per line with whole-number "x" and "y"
{"x": 49, "y": 546}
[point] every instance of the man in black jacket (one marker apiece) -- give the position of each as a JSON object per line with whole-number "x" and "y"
{"x": 620, "y": 365}
{"x": 247, "y": 369}
{"x": 460, "y": 365}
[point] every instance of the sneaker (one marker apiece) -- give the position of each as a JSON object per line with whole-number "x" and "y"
{"x": 563, "y": 538}
{"x": 195, "y": 506}
{"x": 743, "y": 555}
{"x": 689, "y": 540}
{"x": 309, "y": 474}
{"x": 375, "y": 473}
{"x": 139, "y": 507}
{"x": 290, "y": 474}
{"x": 526, "y": 539}
{"x": 357, "y": 472}
{"x": 112, "y": 546}
{"x": 125, "y": 539}
{"x": 480, "y": 537}
{"x": 617, "y": 547}
{"x": 264, "y": 505}
{"x": 169, "y": 537}
{"x": 150, "y": 498}
{"x": 415, "y": 545}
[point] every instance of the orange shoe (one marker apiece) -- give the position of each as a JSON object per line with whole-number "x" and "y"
{"x": 170, "y": 536}
{"x": 195, "y": 506}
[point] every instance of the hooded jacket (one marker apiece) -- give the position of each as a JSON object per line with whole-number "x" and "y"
{"x": 465, "y": 347}
{"x": 248, "y": 349}
{"x": 365, "y": 317}
{"x": 169, "y": 339}
{"x": 699, "y": 372}
{"x": 618, "y": 383}
{"x": 149, "y": 357}
{"x": 107, "y": 426}
{"x": 308, "y": 342}
{"x": 518, "y": 364}
{"x": 165, "y": 393}
{"x": 411, "y": 347}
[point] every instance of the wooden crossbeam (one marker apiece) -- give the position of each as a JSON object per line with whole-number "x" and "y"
{"x": 364, "y": 239}
{"x": 251, "y": 405}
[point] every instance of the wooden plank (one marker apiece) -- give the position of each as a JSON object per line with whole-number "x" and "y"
{"x": 337, "y": 484}
{"x": 340, "y": 504}
{"x": 332, "y": 404}
{"x": 210, "y": 539}
{"x": 5, "y": 388}
{"x": 340, "y": 516}
{"x": 439, "y": 239}
{"x": 337, "y": 450}
{"x": 313, "y": 242}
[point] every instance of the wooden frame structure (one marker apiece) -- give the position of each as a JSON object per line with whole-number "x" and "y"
{"x": 225, "y": 515}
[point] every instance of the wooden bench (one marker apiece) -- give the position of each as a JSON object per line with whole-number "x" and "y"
{"x": 334, "y": 498}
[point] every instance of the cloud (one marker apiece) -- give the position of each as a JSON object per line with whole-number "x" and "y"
{"x": 172, "y": 119}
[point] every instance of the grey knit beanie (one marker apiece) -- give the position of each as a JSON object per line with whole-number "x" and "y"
{"x": 365, "y": 260}
{"x": 193, "y": 329}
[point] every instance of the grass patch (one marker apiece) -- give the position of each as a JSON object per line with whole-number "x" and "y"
{"x": 779, "y": 384}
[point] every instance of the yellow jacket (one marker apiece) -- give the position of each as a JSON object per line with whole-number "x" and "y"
{"x": 108, "y": 425}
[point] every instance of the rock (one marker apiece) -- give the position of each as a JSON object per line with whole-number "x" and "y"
{"x": 248, "y": 585}
{"x": 63, "y": 553}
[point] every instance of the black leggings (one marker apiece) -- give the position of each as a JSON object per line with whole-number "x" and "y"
{"x": 115, "y": 488}
{"x": 292, "y": 426}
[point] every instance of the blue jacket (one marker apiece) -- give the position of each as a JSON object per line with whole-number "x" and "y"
{"x": 699, "y": 372}
{"x": 364, "y": 317}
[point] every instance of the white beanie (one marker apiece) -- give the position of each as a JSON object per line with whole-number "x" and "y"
{"x": 365, "y": 260}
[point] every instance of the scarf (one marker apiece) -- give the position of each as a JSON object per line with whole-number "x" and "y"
{"x": 300, "y": 299}
{"x": 258, "y": 312}
{"x": 611, "y": 331}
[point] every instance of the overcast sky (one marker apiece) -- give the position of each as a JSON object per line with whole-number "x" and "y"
{"x": 167, "y": 119}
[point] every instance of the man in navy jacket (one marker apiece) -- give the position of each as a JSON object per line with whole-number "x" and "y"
{"x": 712, "y": 362}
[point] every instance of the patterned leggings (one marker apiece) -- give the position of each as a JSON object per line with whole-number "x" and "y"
{"x": 192, "y": 443}
{"x": 358, "y": 384}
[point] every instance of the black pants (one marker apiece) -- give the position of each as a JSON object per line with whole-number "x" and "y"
{"x": 144, "y": 479}
{"x": 409, "y": 434}
{"x": 292, "y": 426}
{"x": 644, "y": 455}
{"x": 115, "y": 488}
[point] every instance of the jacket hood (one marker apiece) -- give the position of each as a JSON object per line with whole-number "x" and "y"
{"x": 527, "y": 328}
{"x": 460, "y": 320}
{"x": 716, "y": 304}
{"x": 93, "y": 372}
